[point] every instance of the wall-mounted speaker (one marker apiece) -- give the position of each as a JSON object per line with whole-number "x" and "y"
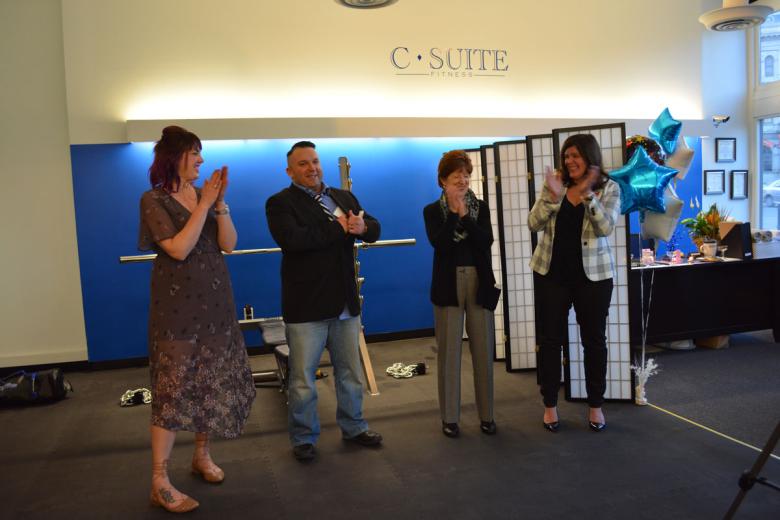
{"x": 737, "y": 236}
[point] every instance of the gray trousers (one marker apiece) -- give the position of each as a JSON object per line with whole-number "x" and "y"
{"x": 448, "y": 324}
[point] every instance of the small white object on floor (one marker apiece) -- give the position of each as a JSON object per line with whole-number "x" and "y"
{"x": 401, "y": 371}
{"x": 684, "y": 344}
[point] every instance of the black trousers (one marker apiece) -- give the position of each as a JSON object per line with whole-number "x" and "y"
{"x": 591, "y": 305}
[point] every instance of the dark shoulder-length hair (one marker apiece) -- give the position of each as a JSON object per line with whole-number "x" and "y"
{"x": 175, "y": 142}
{"x": 453, "y": 161}
{"x": 590, "y": 151}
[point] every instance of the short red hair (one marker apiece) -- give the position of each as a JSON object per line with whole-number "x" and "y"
{"x": 453, "y": 161}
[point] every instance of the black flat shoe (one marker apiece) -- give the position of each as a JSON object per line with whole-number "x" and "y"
{"x": 596, "y": 426}
{"x": 450, "y": 429}
{"x": 304, "y": 452}
{"x": 488, "y": 427}
{"x": 367, "y": 438}
{"x": 552, "y": 427}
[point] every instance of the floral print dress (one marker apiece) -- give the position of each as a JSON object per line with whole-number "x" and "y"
{"x": 200, "y": 375}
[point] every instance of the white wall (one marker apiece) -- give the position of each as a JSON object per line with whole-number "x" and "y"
{"x": 724, "y": 76}
{"x": 41, "y": 315}
{"x": 600, "y": 59}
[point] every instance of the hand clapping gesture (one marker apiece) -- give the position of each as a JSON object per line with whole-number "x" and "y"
{"x": 214, "y": 187}
{"x": 456, "y": 199}
{"x": 553, "y": 180}
{"x": 585, "y": 185}
{"x": 355, "y": 223}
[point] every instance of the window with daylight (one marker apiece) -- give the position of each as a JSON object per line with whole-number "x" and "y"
{"x": 769, "y": 172}
{"x": 769, "y": 48}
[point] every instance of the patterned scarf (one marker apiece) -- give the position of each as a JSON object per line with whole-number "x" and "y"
{"x": 472, "y": 203}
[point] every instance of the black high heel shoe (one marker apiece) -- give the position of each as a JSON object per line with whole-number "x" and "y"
{"x": 488, "y": 427}
{"x": 596, "y": 426}
{"x": 450, "y": 429}
{"x": 552, "y": 427}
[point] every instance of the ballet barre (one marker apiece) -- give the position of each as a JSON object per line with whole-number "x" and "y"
{"x": 358, "y": 245}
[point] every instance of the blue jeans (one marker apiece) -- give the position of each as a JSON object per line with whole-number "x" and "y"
{"x": 306, "y": 342}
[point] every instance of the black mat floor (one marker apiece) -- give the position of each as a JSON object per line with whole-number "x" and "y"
{"x": 86, "y": 457}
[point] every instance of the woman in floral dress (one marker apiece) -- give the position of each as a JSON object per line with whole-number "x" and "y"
{"x": 201, "y": 380}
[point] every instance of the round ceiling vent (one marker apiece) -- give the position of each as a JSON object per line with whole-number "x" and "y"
{"x": 367, "y": 3}
{"x": 735, "y": 15}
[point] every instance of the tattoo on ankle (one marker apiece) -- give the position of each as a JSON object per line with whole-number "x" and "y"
{"x": 166, "y": 495}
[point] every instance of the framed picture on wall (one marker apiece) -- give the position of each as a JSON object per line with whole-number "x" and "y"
{"x": 725, "y": 149}
{"x": 738, "y": 188}
{"x": 714, "y": 182}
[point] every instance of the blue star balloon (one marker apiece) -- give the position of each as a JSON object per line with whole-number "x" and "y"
{"x": 642, "y": 183}
{"x": 666, "y": 129}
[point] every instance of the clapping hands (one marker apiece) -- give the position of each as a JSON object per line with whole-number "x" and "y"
{"x": 456, "y": 199}
{"x": 214, "y": 187}
{"x": 553, "y": 180}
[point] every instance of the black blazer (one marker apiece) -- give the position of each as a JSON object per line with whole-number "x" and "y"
{"x": 318, "y": 267}
{"x": 480, "y": 238}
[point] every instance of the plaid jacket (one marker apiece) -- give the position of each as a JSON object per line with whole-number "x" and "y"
{"x": 599, "y": 221}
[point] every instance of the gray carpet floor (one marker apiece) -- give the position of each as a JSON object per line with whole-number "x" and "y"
{"x": 86, "y": 457}
{"x": 735, "y": 390}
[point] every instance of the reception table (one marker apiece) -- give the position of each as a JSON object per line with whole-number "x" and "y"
{"x": 704, "y": 299}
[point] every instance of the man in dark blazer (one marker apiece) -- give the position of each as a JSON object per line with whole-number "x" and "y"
{"x": 316, "y": 227}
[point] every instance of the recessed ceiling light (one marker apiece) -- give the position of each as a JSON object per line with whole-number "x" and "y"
{"x": 367, "y": 3}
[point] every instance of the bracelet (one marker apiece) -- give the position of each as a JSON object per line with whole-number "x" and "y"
{"x": 223, "y": 211}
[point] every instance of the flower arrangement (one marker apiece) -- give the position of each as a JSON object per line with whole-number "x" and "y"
{"x": 706, "y": 224}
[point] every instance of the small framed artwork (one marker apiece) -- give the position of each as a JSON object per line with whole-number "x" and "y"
{"x": 738, "y": 184}
{"x": 725, "y": 149}
{"x": 714, "y": 182}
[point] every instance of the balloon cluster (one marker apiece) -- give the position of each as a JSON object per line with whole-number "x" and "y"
{"x": 652, "y": 148}
{"x": 645, "y": 179}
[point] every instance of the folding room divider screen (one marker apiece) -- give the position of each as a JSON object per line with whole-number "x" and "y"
{"x": 482, "y": 179}
{"x": 512, "y": 193}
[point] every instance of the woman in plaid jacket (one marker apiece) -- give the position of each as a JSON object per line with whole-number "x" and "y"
{"x": 573, "y": 265}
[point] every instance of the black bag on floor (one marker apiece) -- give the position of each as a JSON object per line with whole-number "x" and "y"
{"x": 43, "y": 386}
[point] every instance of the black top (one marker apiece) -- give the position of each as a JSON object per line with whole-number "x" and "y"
{"x": 566, "y": 262}
{"x": 464, "y": 256}
{"x": 446, "y": 256}
{"x": 318, "y": 266}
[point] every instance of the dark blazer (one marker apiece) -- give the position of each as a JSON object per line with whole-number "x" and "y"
{"x": 480, "y": 238}
{"x": 318, "y": 267}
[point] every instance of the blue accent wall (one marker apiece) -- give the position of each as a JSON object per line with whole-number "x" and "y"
{"x": 393, "y": 179}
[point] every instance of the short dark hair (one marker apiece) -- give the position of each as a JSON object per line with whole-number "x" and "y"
{"x": 300, "y": 144}
{"x": 589, "y": 149}
{"x": 174, "y": 142}
{"x": 453, "y": 161}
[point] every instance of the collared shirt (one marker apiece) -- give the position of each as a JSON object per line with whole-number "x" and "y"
{"x": 331, "y": 205}
{"x": 325, "y": 195}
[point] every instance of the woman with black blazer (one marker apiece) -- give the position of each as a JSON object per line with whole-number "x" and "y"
{"x": 458, "y": 227}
